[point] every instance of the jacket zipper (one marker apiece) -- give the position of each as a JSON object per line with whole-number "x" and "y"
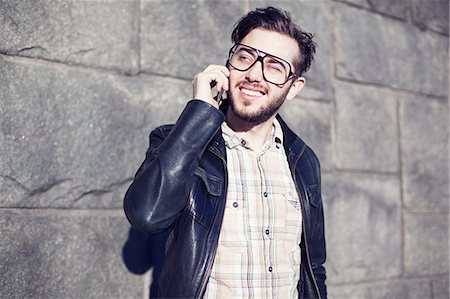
{"x": 211, "y": 262}
{"x": 303, "y": 222}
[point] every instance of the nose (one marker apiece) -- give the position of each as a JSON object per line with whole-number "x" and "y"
{"x": 255, "y": 73}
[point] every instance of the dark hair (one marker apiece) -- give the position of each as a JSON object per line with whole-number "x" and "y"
{"x": 274, "y": 19}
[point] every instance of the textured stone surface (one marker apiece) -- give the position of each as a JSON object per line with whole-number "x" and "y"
{"x": 441, "y": 288}
{"x": 366, "y": 128}
{"x": 73, "y": 133}
{"x": 312, "y": 122}
{"x": 373, "y": 49}
{"x": 391, "y": 8}
{"x": 426, "y": 243}
{"x": 425, "y": 159}
{"x": 415, "y": 289}
{"x": 180, "y": 38}
{"x": 431, "y": 14}
{"x": 362, "y": 227}
{"x": 65, "y": 257}
{"x": 95, "y": 33}
{"x": 391, "y": 289}
{"x": 348, "y": 292}
{"x": 76, "y": 138}
{"x": 313, "y": 17}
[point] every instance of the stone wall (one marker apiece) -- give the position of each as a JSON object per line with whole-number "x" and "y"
{"x": 83, "y": 82}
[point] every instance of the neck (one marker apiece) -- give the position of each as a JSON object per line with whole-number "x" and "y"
{"x": 254, "y": 135}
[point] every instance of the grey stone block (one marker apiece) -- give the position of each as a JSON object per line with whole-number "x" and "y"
{"x": 374, "y": 49}
{"x": 348, "y": 292}
{"x": 366, "y": 128}
{"x": 65, "y": 257}
{"x": 314, "y": 17}
{"x": 413, "y": 289}
{"x": 94, "y": 33}
{"x": 426, "y": 243}
{"x": 363, "y": 227}
{"x": 396, "y": 9}
{"x": 311, "y": 120}
{"x": 424, "y": 149}
{"x": 74, "y": 138}
{"x": 441, "y": 288}
{"x": 181, "y": 38}
{"x": 431, "y": 14}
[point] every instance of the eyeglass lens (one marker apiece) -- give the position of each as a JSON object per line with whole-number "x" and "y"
{"x": 274, "y": 70}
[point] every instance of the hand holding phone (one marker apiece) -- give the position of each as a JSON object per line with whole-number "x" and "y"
{"x": 204, "y": 82}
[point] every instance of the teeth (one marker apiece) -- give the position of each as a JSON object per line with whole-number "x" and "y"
{"x": 251, "y": 92}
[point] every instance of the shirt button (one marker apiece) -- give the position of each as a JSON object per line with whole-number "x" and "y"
{"x": 267, "y": 232}
{"x": 235, "y": 204}
{"x": 270, "y": 269}
{"x": 265, "y": 194}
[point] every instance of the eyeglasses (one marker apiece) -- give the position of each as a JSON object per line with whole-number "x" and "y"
{"x": 275, "y": 70}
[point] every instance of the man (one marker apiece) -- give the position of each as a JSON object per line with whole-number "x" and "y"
{"x": 237, "y": 190}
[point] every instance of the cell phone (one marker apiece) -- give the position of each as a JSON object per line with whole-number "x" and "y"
{"x": 218, "y": 97}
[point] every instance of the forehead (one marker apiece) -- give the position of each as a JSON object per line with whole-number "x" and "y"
{"x": 273, "y": 43}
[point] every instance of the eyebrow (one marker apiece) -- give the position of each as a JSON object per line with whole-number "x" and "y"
{"x": 268, "y": 54}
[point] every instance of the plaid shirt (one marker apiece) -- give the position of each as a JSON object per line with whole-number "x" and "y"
{"x": 258, "y": 254}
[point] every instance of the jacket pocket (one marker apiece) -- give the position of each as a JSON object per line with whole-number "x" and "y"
{"x": 314, "y": 195}
{"x": 202, "y": 202}
{"x": 212, "y": 183}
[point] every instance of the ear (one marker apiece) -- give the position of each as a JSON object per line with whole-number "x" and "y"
{"x": 295, "y": 88}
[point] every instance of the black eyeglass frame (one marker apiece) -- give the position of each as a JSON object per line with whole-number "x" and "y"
{"x": 260, "y": 58}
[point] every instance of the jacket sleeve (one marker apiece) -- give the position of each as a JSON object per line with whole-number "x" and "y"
{"x": 318, "y": 246}
{"x": 160, "y": 188}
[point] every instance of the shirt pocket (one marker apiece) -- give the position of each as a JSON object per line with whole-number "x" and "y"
{"x": 234, "y": 229}
{"x": 202, "y": 200}
{"x": 288, "y": 220}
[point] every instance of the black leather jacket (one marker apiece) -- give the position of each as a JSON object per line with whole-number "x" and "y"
{"x": 182, "y": 186}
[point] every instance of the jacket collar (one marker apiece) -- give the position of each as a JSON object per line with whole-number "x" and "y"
{"x": 292, "y": 143}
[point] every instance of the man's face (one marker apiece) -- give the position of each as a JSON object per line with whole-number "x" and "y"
{"x": 252, "y": 99}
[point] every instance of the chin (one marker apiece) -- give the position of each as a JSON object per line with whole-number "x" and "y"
{"x": 254, "y": 112}
{"x": 253, "y": 116}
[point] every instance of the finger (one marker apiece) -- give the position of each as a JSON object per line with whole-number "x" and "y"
{"x": 213, "y": 67}
{"x": 224, "y": 86}
{"x": 216, "y": 78}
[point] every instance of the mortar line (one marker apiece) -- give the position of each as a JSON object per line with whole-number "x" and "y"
{"x": 145, "y": 285}
{"x": 387, "y": 88}
{"x": 82, "y": 68}
{"x": 402, "y": 194}
{"x": 57, "y": 63}
{"x": 390, "y": 279}
{"x": 63, "y": 212}
{"x": 367, "y": 172}
{"x": 247, "y": 5}
{"x": 409, "y": 20}
{"x": 427, "y": 210}
{"x": 138, "y": 6}
{"x": 373, "y": 11}
{"x": 334, "y": 125}
{"x": 409, "y": 12}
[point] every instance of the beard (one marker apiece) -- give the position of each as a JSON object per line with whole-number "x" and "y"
{"x": 264, "y": 113}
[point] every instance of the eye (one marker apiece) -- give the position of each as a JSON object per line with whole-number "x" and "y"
{"x": 274, "y": 66}
{"x": 244, "y": 57}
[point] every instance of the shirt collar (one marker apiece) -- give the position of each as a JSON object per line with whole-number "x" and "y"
{"x": 232, "y": 140}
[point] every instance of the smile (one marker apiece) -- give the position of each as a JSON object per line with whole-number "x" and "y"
{"x": 251, "y": 92}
